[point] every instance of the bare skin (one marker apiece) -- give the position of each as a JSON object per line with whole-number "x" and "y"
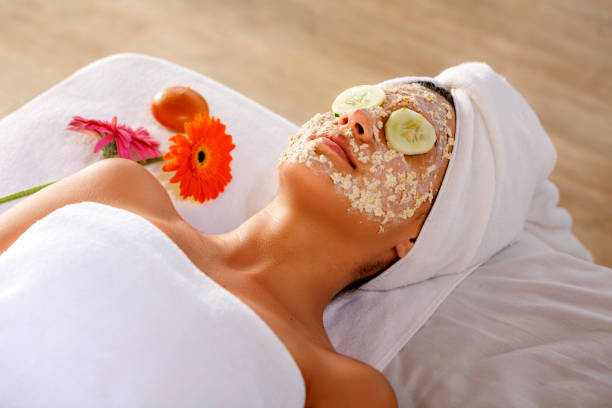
{"x": 287, "y": 262}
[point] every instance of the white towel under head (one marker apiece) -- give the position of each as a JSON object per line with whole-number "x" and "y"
{"x": 99, "y": 308}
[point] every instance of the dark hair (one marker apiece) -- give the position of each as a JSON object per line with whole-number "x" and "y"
{"x": 446, "y": 94}
{"x": 367, "y": 272}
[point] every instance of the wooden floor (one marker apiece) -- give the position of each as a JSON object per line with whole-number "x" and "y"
{"x": 295, "y": 56}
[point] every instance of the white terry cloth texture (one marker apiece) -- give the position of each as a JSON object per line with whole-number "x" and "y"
{"x": 531, "y": 327}
{"x": 99, "y": 308}
{"x": 37, "y": 148}
{"x": 370, "y": 325}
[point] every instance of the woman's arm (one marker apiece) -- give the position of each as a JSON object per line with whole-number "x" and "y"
{"x": 118, "y": 182}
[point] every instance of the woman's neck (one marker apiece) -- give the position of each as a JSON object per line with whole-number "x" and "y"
{"x": 290, "y": 257}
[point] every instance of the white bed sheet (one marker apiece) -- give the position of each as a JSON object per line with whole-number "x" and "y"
{"x": 530, "y": 327}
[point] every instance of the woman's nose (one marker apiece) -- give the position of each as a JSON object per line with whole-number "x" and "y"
{"x": 360, "y": 123}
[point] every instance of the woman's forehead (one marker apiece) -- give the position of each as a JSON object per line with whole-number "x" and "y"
{"x": 429, "y": 103}
{"x": 416, "y": 97}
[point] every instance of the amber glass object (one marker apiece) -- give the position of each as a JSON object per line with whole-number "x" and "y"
{"x": 174, "y": 106}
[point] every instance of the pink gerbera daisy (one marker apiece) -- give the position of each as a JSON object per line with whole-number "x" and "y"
{"x": 120, "y": 137}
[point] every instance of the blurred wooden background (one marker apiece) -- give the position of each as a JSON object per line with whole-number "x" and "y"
{"x": 295, "y": 56}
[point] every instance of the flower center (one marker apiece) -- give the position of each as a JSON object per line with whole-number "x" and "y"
{"x": 201, "y": 157}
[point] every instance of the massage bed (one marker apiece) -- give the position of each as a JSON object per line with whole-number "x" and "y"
{"x": 530, "y": 325}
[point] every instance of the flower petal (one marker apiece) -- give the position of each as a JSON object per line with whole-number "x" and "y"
{"x": 201, "y": 182}
{"x": 103, "y": 142}
{"x": 125, "y": 136}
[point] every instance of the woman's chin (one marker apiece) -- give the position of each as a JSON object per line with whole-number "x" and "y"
{"x": 310, "y": 189}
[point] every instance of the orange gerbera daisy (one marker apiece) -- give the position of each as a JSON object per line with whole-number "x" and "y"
{"x": 202, "y": 159}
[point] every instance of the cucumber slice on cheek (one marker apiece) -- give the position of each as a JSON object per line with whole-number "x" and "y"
{"x": 361, "y": 96}
{"x": 409, "y": 132}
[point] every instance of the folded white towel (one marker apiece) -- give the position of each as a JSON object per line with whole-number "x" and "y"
{"x": 37, "y": 148}
{"x": 502, "y": 157}
{"x": 99, "y": 308}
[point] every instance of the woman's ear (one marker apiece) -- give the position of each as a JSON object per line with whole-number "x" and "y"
{"x": 404, "y": 247}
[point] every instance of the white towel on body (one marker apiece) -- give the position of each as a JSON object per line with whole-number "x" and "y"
{"x": 99, "y": 308}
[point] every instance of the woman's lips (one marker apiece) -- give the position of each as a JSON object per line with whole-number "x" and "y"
{"x": 336, "y": 148}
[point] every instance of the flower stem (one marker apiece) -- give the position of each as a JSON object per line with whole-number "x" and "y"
{"x": 24, "y": 193}
{"x": 149, "y": 161}
{"x": 32, "y": 190}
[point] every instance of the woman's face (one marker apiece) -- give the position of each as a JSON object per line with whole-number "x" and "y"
{"x": 359, "y": 173}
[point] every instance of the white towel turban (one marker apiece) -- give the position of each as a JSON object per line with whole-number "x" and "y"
{"x": 501, "y": 154}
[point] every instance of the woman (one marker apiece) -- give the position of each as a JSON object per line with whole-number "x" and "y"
{"x": 348, "y": 206}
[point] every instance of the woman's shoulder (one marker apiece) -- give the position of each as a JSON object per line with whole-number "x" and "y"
{"x": 331, "y": 379}
{"x": 117, "y": 182}
{"x": 341, "y": 381}
{"x": 129, "y": 185}
{"x": 133, "y": 188}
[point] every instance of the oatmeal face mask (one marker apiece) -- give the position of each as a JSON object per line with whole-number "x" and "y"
{"x": 385, "y": 149}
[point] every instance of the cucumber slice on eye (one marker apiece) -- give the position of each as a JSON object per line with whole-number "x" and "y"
{"x": 361, "y": 96}
{"x": 409, "y": 132}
